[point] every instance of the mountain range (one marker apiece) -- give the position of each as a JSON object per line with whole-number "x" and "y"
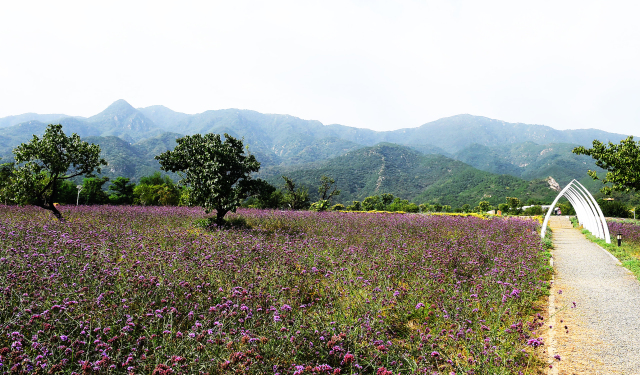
{"x": 407, "y": 162}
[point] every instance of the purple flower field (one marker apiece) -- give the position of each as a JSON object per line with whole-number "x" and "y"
{"x": 142, "y": 290}
{"x": 630, "y": 231}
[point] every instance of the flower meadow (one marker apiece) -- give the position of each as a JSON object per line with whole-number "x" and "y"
{"x": 630, "y": 231}
{"x": 142, "y": 290}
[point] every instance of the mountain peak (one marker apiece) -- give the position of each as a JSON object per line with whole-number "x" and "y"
{"x": 120, "y": 105}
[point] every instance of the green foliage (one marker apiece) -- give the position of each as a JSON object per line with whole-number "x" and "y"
{"x": 295, "y": 197}
{"x": 566, "y": 208}
{"x": 484, "y": 206}
{"x": 355, "y": 206}
{"x": 121, "y": 191}
{"x": 614, "y": 209}
{"x": 621, "y": 161}
{"x": 372, "y": 203}
{"x": 265, "y": 196}
{"x": 533, "y": 211}
{"x": 6, "y": 182}
{"x": 155, "y": 179}
{"x": 44, "y": 161}
{"x": 166, "y": 194}
{"x": 338, "y": 207}
{"x": 319, "y": 206}
{"x": 217, "y": 171}
{"x": 503, "y": 207}
{"x": 387, "y": 198}
{"x": 92, "y": 192}
{"x": 67, "y": 192}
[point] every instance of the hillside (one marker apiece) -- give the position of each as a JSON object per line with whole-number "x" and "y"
{"x": 529, "y": 160}
{"x": 404, "y": 172}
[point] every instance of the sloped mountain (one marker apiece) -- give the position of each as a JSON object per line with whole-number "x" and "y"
{"x": 529, "y": 160}
{"x": 120, "y": 119}
{"x": 404, "y": 172}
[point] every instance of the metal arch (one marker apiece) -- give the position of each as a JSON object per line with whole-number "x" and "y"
{"x": 603, "y": 221}
{"x": 586, "y": 213}
{"x": 587, "y": 210}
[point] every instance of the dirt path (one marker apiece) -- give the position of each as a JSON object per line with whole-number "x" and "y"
{"x": 602, "y": 334}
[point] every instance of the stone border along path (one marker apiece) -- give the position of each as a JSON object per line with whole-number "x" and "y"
{"x": 602, "y": 334}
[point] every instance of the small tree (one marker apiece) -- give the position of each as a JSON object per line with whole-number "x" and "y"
{"x": 122, "y": 191}
{"x": 325, "y": 190}
{"x": 49, "y": 159}
{"x": 92, "y": 192}
{"x": 217, "y": 171}
{"x": 6, "y": 175}
{"x": 621, "y": 161}
{"x": 514, "y": 204}
{"x": 484, "y": 206}
{"x": 296, "y": 197}
{"x": 387, "y": 198}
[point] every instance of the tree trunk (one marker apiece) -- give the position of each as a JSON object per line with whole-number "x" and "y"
{"x": 56, "y": 213}
{"x": 220, "y": 217}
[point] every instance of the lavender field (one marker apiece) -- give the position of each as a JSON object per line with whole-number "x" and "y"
{"x": 144, "y": 291}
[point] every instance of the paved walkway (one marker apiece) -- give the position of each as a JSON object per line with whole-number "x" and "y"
{"x": 602, "y": 334}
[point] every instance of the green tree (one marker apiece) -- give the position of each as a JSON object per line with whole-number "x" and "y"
{"x": 386, "y": 198}
{"x": 484, "y": 206}
{"x": 372, "y": 203}
{"x": 295, "y": 197}
{"x": 67, "y": 192}
{"x": 327, "y": 190}
{"x": 218, "y": 172}
{"x": 47, "y": 160}
{"x": 6, "y": 182}
{"x": 121, "y": 191}
{"x": 514, "y": 204}
{"x": 92, "y": 192}
{"x": 621, "y": 161}
{"x": 321, "y": 205}
{"x": 355, "y": 206}
{"x": 266, "y": 195}
{"x": 155, "y": 179}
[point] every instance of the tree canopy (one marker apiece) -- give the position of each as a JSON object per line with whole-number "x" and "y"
{"x": 621, "y": 161}
{"x": 217, "y": 171}
{"x": 43, "y": 162}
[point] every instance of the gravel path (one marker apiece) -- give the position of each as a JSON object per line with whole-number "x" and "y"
{"x": 603, "y": 329}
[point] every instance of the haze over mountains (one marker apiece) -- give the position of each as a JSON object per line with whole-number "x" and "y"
{"x": 131, "y": 137}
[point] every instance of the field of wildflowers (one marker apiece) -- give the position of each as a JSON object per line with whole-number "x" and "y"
{"x": 142, "y": 290}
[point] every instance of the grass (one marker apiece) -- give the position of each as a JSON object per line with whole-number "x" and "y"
{"x": 628, "y": 253}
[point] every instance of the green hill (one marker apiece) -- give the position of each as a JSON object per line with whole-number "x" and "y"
{"x": 404, "y": 172}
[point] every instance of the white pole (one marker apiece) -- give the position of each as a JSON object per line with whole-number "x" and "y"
{"x": 79, "y": 187}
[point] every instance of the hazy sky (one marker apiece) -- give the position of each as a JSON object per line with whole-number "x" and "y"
{"x": 376, "y": 64}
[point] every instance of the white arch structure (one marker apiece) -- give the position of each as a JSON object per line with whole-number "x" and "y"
{"x": 587, "y": 210}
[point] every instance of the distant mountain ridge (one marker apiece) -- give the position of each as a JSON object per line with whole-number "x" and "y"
{"x": 131, "y": 137}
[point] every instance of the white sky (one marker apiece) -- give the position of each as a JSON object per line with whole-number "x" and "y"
{"x": 381, "y": 65}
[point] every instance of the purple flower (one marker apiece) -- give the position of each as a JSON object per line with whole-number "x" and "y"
{"x": 419, "y": 305}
